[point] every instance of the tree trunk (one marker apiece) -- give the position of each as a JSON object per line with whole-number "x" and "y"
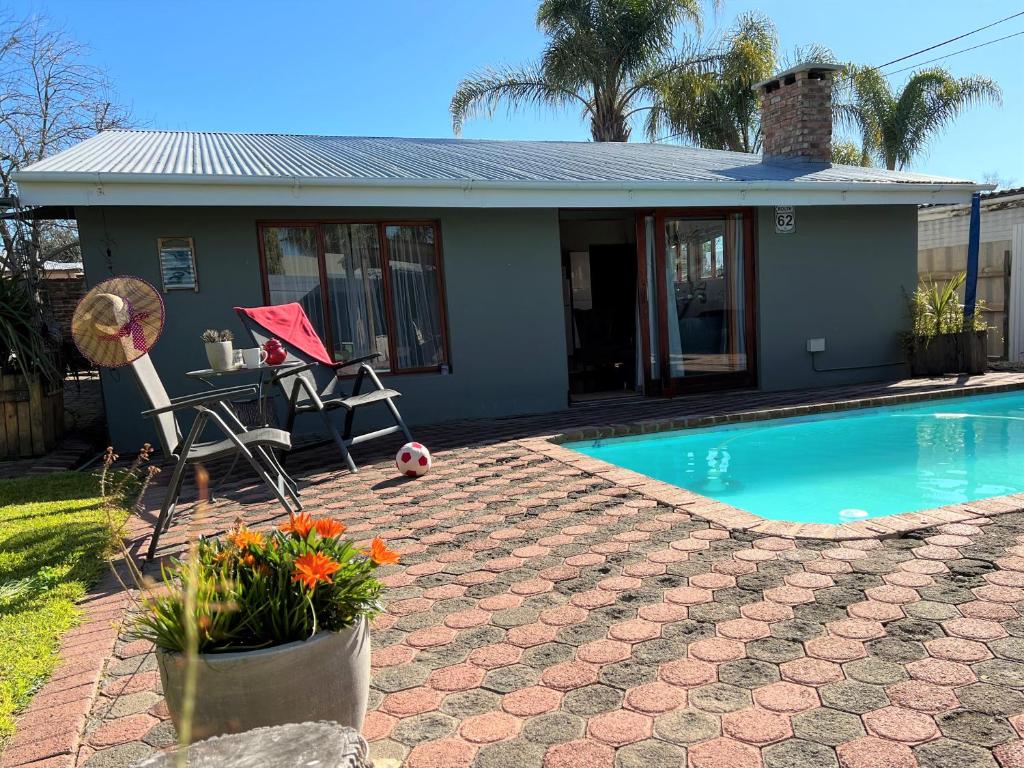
{"x": 607, "y": 123}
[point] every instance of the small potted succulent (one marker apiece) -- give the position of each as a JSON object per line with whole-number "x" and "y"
{"x": 219, "y": 349}
{"x": 278, "y": 624}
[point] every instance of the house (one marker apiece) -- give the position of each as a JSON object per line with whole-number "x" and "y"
{"x": 942, "y": 252}
{"x": 508, "y": 277}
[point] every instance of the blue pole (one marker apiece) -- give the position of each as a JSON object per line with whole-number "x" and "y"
{"x": 973, "y": 246}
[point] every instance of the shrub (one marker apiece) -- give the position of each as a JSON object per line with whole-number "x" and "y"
{"x": 256, "y": 590}
{"x": 936, "y": 309}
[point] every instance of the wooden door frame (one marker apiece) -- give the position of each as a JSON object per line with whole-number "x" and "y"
{"x": 665, "y": 384}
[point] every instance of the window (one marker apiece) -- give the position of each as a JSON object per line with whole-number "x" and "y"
{"x": 368, "y": 287}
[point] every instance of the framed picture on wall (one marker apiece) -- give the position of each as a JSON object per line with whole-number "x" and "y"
{"x": 177, "y": 264}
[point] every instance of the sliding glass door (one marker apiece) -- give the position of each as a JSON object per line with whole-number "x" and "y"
{"x": 702, "y": 315}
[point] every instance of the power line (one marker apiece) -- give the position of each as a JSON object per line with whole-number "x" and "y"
{"x": 947, "y": 42}
{"x": 954, "y": 53}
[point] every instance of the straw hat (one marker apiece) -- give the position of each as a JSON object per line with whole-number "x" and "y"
{"x": 118, "y": 321}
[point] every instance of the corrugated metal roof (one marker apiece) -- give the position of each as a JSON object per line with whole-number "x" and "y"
{"x": 227, "y": 156}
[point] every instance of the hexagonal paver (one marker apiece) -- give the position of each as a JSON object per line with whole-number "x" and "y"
{"x": 723, "y": 753}
{"x": 553, "y": 728}
{"x": 450, "y": 753}
{"x": 827, "y": 726}
{"x": 837, "y": 649}
{"x": 603, "y": 651}
{"x": 900, "y": 724}
{"x": 947, "y": 753}
{"x": 811, "y": 671}
{"x": 489, "y": 727}
{"x": 718, "y": 697}
{"x": 853, "y": 696}
{"x": 648, "y": 753}
{"x": 687, "y": 672}
{"x": 743, "y": 629}
{"x": 991, "y": 699}
{"x": 756, "y": 726}
{"x": 576, "y": 754}
{"x": 717, "y": 649}
{"x": 686, "y": 726}
{"x": 974, "y": 629}
{"x": 941, "y": 672}
{"x": 798, "y": 753}
{"x": 569, "y": 675}
{"x": 655, "y": 698}
{"x": 974, "y": 728}
{"x": 872, "y": 752}
{"x": 634, "y": 631}
{"x": 620, "y": 727}
{"x": 786, "y": 697}
{"x": 592, "y": 700}
{"x": 748, "y": 673}
{"x": 535, "y": 700}
{"x": 922, "y": 696}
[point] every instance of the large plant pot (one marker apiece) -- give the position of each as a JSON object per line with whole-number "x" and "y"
{"x": 325, "y": 678}
{"x": 31, "y": 416}
{"x": 965, "y": 352}
{"x": 220, "y": 354}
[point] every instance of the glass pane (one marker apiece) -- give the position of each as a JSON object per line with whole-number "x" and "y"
{"x": 419, "y": 339}
{"x": 293, "y": 270}
{"x": 355, "y": 289}
{"x": 705, "y": 302}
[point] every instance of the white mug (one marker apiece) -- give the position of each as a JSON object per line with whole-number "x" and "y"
{"x": 254, "y": 357}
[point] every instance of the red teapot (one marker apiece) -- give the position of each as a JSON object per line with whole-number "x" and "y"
{"x": 276, "y": 353}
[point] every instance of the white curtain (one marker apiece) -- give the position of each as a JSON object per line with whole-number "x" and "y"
{"x": 352, "y": 255}
{"x": 414, "y": 287}
{"x": 675, "y": 342}
{"x": 737, "y": 298}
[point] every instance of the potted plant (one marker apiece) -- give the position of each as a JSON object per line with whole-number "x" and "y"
{"x": 279, "y": 627}
{"x": 219, "y": 348}
{"x": 943, "y": 339}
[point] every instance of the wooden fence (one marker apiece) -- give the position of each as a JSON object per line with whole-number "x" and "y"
{"x": 31, "y": 417}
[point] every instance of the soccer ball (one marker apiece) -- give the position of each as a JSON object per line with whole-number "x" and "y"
{"x": 413, "y": 460}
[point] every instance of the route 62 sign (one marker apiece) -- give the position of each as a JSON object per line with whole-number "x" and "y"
{"x": 785, "y": 219}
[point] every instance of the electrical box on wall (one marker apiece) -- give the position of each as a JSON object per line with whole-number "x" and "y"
{"x": 815, "y": 345}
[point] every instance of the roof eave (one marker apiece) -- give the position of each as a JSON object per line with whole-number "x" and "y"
{"x": 66, "y": 188}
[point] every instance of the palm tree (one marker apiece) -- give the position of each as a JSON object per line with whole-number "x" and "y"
{"x": 897, "y": 126}
{"x": 716, "y": 107}
{"x": 605, "y": 57}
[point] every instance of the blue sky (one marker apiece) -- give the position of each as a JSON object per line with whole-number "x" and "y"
{"x": 389, "y": 67}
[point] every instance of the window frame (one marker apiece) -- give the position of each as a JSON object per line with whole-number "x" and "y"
{"x": 389, "y": 301}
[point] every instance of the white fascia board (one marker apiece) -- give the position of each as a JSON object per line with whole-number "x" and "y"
{"x": 164, "y": 190}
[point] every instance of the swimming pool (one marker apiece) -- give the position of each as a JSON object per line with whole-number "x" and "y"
{"x": 840, "y": 467}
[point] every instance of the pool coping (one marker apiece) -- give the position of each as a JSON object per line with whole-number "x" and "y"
{"x": 733, "y": 518}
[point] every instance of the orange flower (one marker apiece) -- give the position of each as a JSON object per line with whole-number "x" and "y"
{"x": 380, "y": 554}
{"x": 328, "y": 527}
{"x": 248, "y": 559}
{"x": 243, "y": 538}
{"x": 300, "y": 524}
{"x": 313, "y": 568}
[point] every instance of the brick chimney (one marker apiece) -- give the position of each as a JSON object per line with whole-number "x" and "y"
{"x": 796, "y": 113}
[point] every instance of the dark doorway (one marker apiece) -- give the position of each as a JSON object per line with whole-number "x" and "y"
{"x": 601, "y": 288}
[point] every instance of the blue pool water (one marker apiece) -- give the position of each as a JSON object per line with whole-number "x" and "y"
{"x": 839, "y": 467}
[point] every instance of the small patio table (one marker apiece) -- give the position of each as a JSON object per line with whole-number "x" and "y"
{"x": 261, "y": 415}
{"x": 254, "y": 412}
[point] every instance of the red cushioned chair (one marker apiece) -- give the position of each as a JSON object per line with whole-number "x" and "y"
{"x": 289, "y": 324}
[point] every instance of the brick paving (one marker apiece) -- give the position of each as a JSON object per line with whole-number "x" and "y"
{"x": 544, "y": 615}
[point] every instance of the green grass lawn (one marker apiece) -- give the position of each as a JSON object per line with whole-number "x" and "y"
{"x": 55, "y": 534}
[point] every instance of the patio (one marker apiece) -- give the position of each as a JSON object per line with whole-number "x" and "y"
{"x": 547, "y": 615}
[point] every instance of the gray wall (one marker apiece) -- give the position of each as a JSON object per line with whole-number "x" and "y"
{"x": 503, "y": 284}
{"x": 841, "y": 275}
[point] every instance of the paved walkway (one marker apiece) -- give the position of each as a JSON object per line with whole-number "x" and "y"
{"x": 544, "y": 616}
